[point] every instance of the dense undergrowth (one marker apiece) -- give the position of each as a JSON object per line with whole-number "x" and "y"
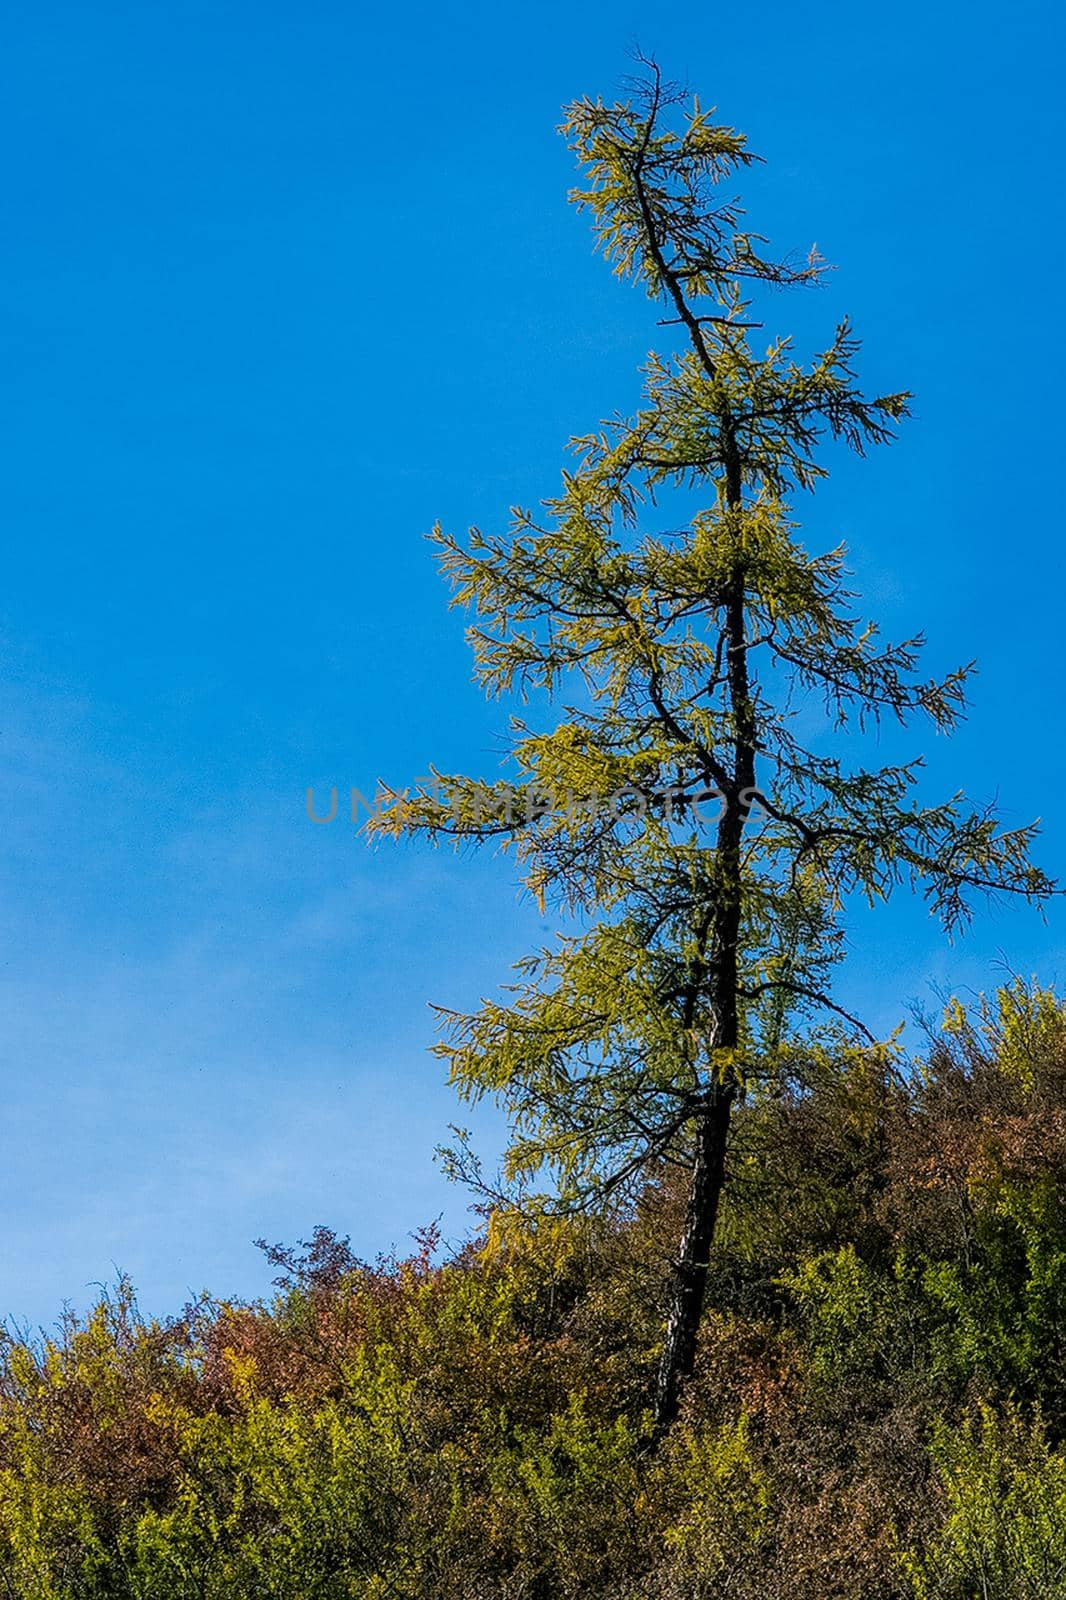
{"x": 878, "y": 1409}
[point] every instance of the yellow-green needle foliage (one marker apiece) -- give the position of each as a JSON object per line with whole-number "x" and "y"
{"x": 704, "y": 848}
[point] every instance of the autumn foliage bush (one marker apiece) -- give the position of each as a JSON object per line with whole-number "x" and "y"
{"x": 878, "y": 1408}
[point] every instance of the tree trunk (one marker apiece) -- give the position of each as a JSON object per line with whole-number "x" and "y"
{"x": 690, "y": 1269}
{"x": 712, "y": 1123}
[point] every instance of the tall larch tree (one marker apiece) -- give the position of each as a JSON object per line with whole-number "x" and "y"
{"x": 699, "y": 853}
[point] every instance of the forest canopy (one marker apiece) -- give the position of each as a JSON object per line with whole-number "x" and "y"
{"x": 876, "y": 1410}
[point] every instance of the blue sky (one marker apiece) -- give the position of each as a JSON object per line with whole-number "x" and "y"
{"x": 281, "y": 285}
